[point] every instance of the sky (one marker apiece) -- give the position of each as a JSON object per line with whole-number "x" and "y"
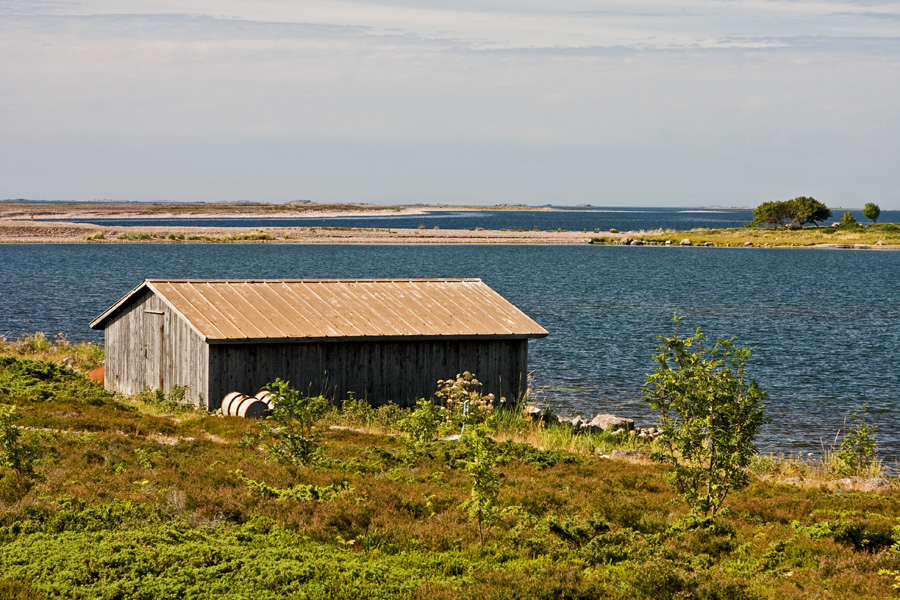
{"x": 564, "y": 102}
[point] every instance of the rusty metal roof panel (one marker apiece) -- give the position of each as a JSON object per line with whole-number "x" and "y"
{"x": 229, "y": 310}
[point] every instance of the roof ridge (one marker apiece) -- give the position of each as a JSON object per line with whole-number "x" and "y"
{"x": 310, "y": 280}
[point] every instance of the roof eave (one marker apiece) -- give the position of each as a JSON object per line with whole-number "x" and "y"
{"x": 385, "y": 338}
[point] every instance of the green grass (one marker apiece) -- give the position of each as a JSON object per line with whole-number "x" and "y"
{"x": 132, "y": 502}
{"x": 807, "y": 236}
{"x": 252, "y": 237}
{"x": 136, "y": 236}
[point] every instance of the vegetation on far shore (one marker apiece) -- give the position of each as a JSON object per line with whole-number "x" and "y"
{"x": 140, "y": 497}
{"x": 788, "y": 223}
{"x": 869, "y": 235}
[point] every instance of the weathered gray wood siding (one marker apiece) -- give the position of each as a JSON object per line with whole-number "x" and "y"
{"x": 149, "y": 346}
{"x": 381, "y": 372}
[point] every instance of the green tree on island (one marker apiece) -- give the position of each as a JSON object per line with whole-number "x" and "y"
{"x": 790, "y": 213}
{"x": 848, "y": 221}
{"x": 871, "y": 211}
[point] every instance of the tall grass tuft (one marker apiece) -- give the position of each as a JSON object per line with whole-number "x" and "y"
{"x": 82, "y": 356}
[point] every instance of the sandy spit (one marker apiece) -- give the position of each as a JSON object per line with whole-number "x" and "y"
{"x": 67, "y": 233}
{"x": 25, "y": 222}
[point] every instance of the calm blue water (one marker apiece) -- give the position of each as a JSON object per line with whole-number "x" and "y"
{"x": 571, "y": 219}
{"x": 824, "y": 324}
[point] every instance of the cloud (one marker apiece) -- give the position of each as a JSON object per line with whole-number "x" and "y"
{"x": 531, "y": 101}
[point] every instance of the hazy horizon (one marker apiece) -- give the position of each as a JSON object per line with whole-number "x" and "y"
{"x": 608, "y": 103}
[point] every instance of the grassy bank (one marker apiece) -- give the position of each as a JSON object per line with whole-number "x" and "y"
{"x": 869, "y": 235}
{"x": 141, "y": 498}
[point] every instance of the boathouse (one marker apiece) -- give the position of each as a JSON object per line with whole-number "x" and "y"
{"x": 385, "y": 340}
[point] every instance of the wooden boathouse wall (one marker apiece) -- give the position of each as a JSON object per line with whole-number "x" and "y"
{"x": 380, "y": 372}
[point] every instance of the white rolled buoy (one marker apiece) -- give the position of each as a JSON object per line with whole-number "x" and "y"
{"x": 230, "y": 401}
{"x": 253, "y": 408}
{"x": 266, "y": 396}
{"x": 236, "y": 404}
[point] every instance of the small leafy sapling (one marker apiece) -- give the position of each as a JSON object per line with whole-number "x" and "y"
{"x": 17, "y": 451}
{"x": 470, "y": 412}
{"x": 858, "y": 450}
{"x": 422, "y": 424}
{"x": 709, "y": 415}
{"x": 289, "y": 430}
{"x": 481, "y": 458}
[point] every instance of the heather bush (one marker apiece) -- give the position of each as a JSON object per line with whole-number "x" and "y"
{"x": 135, "y": 505}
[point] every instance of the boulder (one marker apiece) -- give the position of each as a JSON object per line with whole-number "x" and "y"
{"x": 874, "y": 484}
{"x": 628, "y": 454}
{"x": 575, "y": 421}
{"x": 748, "y": 243}
{"x": 685, "y": 242}
{"x": 535, "y": 413}
{"x": 668, "y": 242}
{"x": 612, "y": 423}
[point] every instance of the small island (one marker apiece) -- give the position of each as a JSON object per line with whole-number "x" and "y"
{"x": 62, "y": 222}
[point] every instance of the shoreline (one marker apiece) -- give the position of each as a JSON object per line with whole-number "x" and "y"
{"x": 42, "y": 232}
{"x": 25, "y": 223}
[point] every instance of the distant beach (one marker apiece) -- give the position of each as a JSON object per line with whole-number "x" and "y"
{"x": 45, "y": 222}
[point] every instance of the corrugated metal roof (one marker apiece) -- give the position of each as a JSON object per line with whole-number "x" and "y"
{"x": 308, "y": 309}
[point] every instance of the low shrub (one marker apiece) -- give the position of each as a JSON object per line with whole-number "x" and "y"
{"x": 157, "y": 401}
{"x": 30, "y": 381}
{"x": 288, "y": 436}
{"x": 18, "y": 450}
{"x": 858, "y": 452}
{"x": 135, "y": 236}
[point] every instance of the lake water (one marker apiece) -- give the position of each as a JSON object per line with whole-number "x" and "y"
{"x": 824, "y": 324}
{"x": 570, "y": 219}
